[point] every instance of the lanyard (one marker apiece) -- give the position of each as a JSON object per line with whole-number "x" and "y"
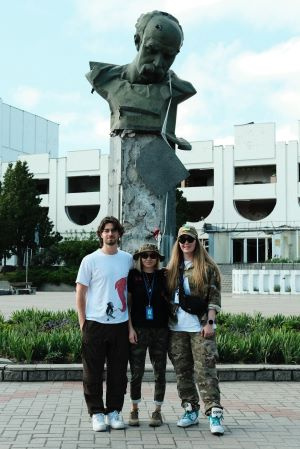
{"x": 148, "y": 287}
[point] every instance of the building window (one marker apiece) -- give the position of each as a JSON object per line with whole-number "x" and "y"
{"x": 254, "y": 210}
{"x": 82, "y": 215}
{"x": 251, "y": 250}
{"x": 256, "y": 174}
{"x": 199, "y": 178}
{"x": 199, "y": 210}
{"x": 42, "y": 186}
{"x": 238, "y": 250}
{"x": 79, "y": 184}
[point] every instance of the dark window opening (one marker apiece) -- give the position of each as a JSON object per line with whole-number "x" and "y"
{"x": 82, "y": 215}
{"x": 199, "y": 178}
{"x": 256, "y": 174}
{"x": 269, "y": 249}
{"x": 199, "y": 210}
{"x": 78, "y": 184}
{"x": 42, "y": 186}
{"x": 255, "y": 209}
{"x": 257, "y": 250}
{"x": 238, "y": 250}
{"x": 251, "y": 250}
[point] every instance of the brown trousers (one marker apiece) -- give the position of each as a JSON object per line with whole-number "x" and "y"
{"x": 104, "y": 343}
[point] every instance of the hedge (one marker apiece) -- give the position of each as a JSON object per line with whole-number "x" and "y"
{"x": 54, "y": 337}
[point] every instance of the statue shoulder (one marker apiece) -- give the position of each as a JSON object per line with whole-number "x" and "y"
{"x": 184, "y": 88}
{"x": 102, "y": 73}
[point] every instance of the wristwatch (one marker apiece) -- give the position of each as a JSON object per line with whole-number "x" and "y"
{"x": 211, "y": 322}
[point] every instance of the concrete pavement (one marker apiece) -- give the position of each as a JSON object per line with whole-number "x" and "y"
{"x": 262, "y": 415}
{"x": 268, "y": 305}
{"x": 258, "y": 415}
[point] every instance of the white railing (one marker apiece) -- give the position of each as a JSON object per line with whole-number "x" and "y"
{"x": 266, "y": 282}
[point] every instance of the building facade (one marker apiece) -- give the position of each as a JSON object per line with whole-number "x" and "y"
{"x": 245, "y": 198}
{"x": 73, "y": 189}
{"x": 23, "y": 133}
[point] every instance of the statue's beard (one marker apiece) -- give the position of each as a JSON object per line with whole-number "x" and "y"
{"x": 152, "y": 73}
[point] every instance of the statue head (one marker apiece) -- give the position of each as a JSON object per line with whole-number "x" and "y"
{"x": 158, "y": 40}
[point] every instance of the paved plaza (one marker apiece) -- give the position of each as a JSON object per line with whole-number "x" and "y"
{"x": 266, "y": 304}
{"x": 262, "y": 415}
{"x": 41, "y": 415}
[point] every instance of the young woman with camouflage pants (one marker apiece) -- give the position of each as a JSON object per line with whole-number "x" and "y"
{"x": 148, "y": 328}
{"x": 192, "y": 345}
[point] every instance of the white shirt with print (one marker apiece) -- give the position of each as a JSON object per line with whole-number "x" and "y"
{"x": 105, "y": 275}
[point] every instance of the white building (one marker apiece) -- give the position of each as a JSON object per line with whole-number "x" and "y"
{"x": 23, "y": 133}
{"x": 74, "y": 189}
{"x": 245, "y": 198}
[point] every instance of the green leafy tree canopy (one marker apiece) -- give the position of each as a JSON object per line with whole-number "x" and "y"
{"x": 21, "y": 213}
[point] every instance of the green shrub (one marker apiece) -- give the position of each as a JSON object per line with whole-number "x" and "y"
{"x": 54, "y": 337}
{"x": 42, "y": 275}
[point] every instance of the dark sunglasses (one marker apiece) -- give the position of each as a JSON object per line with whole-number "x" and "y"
{"x": 186, "y": 238}
{"x": 147, "y": 255}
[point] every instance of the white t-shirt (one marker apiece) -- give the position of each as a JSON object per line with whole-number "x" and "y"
{"x": 106, "y": 278}
{"x": 186, "y": 322}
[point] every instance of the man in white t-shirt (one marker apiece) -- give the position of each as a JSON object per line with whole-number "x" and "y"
{"x": 101, "y": 299}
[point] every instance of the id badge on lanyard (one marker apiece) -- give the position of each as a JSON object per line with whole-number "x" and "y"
{"x": 149, "y": 290}
{"x": 149, "y": 313}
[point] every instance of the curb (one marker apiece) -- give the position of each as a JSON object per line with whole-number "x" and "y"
{"x": 73, "y": 372}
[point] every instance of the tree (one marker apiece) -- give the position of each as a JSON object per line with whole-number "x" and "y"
{"x": 21, "y": 212}
{"x": 182, "y": 209}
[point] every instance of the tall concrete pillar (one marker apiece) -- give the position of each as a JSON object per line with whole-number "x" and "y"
{"x": 141, "y": 211}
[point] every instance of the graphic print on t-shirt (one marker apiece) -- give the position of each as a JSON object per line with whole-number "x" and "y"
{"x": 120, "y": 286}
{"x": 110, "y": 310}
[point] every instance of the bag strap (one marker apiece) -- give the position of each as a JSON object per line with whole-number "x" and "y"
{"x": 181, "y": 292}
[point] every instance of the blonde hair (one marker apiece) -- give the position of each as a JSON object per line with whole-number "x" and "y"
{"x": 201, "y": 262}
{"x": 139, "y": 267}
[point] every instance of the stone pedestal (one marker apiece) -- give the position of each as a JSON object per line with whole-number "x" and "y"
{"x": 139, "y": 209}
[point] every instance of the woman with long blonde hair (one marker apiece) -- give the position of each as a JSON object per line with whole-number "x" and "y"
{"x": 194, "y": 284}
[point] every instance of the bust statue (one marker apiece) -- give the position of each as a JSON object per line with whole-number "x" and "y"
{"x": 143, "y": 95}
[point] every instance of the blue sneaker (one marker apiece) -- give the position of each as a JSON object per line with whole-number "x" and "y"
{"x": 215, "y": 419}
{"x": 189, "y": 418}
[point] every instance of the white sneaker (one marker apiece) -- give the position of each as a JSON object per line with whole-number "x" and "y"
{"x": 98, "y": 422}
{"x": 215, "y": 419}
{"x": 115, "y": 420}
{"x": 189, "y": 418}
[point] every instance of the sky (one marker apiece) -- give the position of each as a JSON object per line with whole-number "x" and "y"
{"x": 241, "y": 56}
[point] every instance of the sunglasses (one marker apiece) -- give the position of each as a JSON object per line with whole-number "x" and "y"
{"x": 147, "y": 255}
{"x": 186, "y": 238}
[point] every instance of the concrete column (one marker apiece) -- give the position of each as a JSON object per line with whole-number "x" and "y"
{"x": 138, "y": 208}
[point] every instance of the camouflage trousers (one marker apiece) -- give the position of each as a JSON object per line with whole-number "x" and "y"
{"x": 156, "y": 341}
{"x": 194, "y": 359}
